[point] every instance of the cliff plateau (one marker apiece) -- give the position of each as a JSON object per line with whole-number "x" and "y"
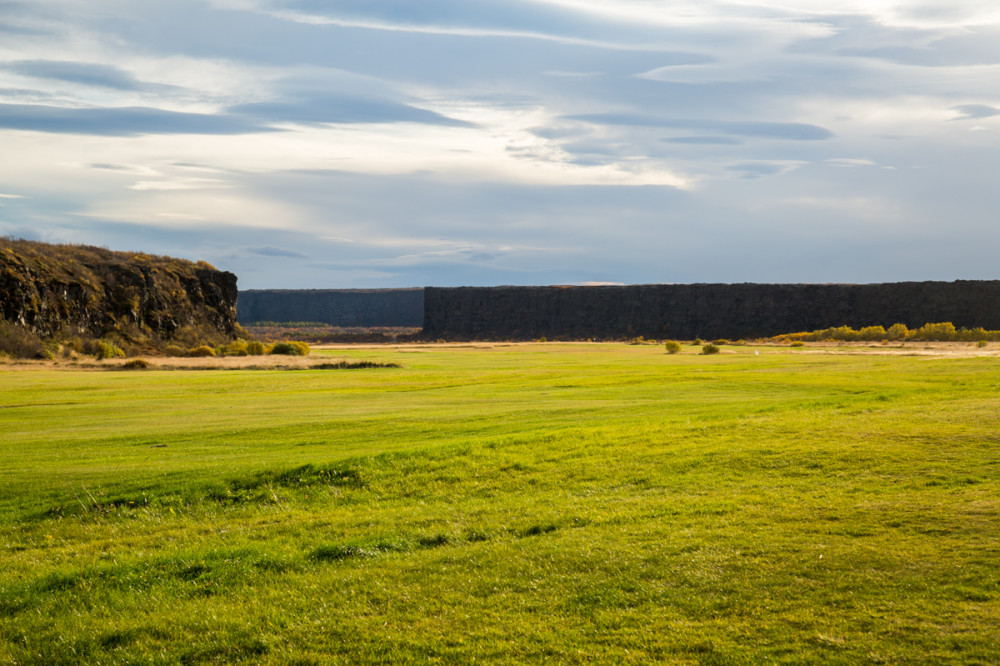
{"x": 53, "y": 289}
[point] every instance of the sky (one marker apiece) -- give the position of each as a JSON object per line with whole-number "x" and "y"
{"x": 309, "y": 144}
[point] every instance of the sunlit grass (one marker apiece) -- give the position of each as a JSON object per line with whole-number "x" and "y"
{"x": 531, "y": 503}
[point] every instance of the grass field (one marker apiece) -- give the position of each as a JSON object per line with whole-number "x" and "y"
{"x": 557, "y": 503}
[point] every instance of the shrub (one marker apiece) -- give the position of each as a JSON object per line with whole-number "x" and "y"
{"x": 135, "y": 364}
{"x": 290, "y": 348}
{"x": 198, "y": 335}
{"x": 710, "y": 349}
{"x": 981, "y": 343}
{"x": 798, "y": 343}
{"x": 673, "y": 347}
{"x": 203, "y": 350}
{"x": 174, "y": 350}
{"x": 941, "y": 332}
{"x": 873, "y": 333}
{"x": 236, "y": 348}
{"x": 697, "y": 341}
{"x": 106, "y": 349}
{"x": 897, "y": 332}
{"x": 18, "y": 342}
{"x": 255, "y": 348}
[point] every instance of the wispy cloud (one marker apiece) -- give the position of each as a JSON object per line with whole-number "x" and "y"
{"x": 270, "y": 251}
{"x": 88, "y": 74}
{"x": 975, "y": 111}
{"x": 174, "y": 184}
{"x": 765, "y": 130}
{"x": 335, "y": 109}
{"x": 754, "y": 170}
{"x": 128, "y": 121}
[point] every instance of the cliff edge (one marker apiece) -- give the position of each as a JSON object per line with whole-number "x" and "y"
{"x": 57, "y": 289}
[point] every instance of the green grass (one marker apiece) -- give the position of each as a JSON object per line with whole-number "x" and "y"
{"x": 537, "y": 503}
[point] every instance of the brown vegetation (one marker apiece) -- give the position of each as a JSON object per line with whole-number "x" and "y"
{"x": 319, "y": 333}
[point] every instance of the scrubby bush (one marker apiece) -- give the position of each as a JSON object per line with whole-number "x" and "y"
{"x": 720, "y": 342}
{"x": 673, "y": 347}
{"x": 897, "y": 332}
{"x": 235, "y": 348}
{"x": 256, "y": 348}
{"x": 290, "y": 348}
{"x": 941, "y": 332}
{"x": 873, "y": 333}
{"x": 107, "y": 349}
{"x": 174, "y": 350}
{"x": 710, "y": 349}
{"x": 979, "y": 334}
{"x": 201, "y": 351}
{"x": 696, "y": 342}
{"x": 798, "y": 343}
{"x": 198, "y": 335}
{"x": 18, "y": 342}
{"x": 135, "y": 364}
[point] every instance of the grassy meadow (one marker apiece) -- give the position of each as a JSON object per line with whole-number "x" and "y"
{"x": 538, "y": 503}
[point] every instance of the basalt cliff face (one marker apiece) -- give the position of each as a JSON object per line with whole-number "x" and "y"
{"x": 337, "y": 307}
{"x": 50, "y": 289}
{"x": 687, "y": 311}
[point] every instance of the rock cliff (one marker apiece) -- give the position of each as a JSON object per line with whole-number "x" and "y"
{"x": 337, "y": 307}
{"x": 87, "y": 290}
{"x": 687, "y": 311}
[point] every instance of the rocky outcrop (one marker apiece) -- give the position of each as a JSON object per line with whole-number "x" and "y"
{"x": 701, "y": 310}
{"x": 337, "y": 307}
{"x": 94, "y": 291}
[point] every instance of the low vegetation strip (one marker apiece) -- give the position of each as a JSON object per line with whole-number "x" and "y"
{"x": 535, "y": 503}
{"x": 936, "y": 332}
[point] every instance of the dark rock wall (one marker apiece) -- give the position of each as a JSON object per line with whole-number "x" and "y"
{"x": 701, "y": 310}
{"x": 337, "y": 307}
{"x": 92, "y": 290}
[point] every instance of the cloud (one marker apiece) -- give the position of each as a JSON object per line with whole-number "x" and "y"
{"x": 565, "y": 23}
{"x": 849, "y": 162}
{"x": 121, "y": 121}
{"x": 975, "y": 111}
{"x": 130, "y": 169}
{"x": 755, "y": 170}
{"x": 270, "y": 251}
{"x": 88, "y": 74}
{"x": 174, "y": 184}
{"x": 763, "y": 130}
{"x": 704, "y": 140}
{"x": 338, "y": 109}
